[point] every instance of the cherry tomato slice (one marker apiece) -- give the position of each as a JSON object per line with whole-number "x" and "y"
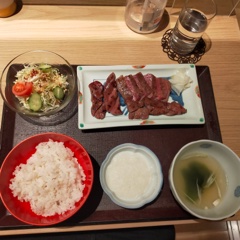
{"x": 22, "y": 89}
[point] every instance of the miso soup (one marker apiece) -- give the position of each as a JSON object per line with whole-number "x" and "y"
{"x": 200, "y": 180}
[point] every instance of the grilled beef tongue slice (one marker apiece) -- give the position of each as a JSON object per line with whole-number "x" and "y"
{"x": 137, "y": 93}
{"x": 110, "y": 95}
{"x": 96, "y": 89}
{"x": 142, "y": 84}
{"x": 98, "y": 109}
{"x": 126, "y": 94}
{"x": 161, "y": 87}
{"x": 140, "y": 113}
{"x": 175, "y": 108}
{"x": 123, "y": 89}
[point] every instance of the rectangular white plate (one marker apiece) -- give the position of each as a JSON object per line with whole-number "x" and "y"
{"x": 190, "y": 96}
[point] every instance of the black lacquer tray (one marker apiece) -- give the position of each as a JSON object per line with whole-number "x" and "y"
{"x": 163, "y": 140}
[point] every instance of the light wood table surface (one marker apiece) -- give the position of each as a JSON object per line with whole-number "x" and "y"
{"x": 91, "y": 35}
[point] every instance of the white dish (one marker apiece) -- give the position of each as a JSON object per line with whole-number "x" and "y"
{"x": 128, "y": 184}
{"x": 190, "y": 97}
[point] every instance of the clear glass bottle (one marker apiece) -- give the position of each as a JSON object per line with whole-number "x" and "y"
{"x": 144, "y": 16}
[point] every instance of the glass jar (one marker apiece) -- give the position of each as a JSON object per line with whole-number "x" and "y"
{"x": 144, "y": 16}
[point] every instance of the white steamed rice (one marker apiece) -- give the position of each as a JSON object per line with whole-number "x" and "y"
{"x": 51, "y": 180}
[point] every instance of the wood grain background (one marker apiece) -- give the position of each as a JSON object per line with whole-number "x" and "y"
{"x": 224, "y": 6}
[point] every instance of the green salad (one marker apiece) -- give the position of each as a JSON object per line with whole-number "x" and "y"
{"x": 40, "y": 87}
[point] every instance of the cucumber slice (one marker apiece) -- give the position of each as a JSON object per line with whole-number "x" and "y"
{"x": 58, "y": 93}
{"x": 35, "y": 102}
{"x": 45, "y": 67}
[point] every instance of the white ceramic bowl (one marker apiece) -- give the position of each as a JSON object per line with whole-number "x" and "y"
{"x": 230, "y": 163}
{"x": 128, "y": 184}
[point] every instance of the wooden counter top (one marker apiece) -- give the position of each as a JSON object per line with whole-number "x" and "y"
{"x": 97, "y": 35}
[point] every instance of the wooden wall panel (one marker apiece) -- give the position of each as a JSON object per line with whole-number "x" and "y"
{"x": 224, "y": 6}
{"x": 82, "y": 2}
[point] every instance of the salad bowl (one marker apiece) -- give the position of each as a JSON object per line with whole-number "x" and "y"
{"x": 38, "y": 83}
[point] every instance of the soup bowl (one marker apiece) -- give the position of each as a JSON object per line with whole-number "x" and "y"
{"x": 204, "y": 179}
